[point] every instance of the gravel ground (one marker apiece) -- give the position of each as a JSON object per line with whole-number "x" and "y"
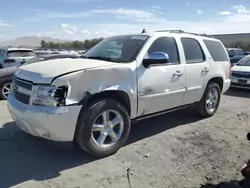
{"x": 178, "y": 150}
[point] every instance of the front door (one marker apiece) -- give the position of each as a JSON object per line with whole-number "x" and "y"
{"x": 161, "y": 87}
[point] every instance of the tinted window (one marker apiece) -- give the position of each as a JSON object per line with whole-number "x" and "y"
{"x": 232, "y": 53}
{"x": 20, "y": 53}
{"x": 192, "y": 50}
{"x": 166, "y": 45}
{"x": 216, "y": 50}
{"x": 117, "y": 49}
{"x": 238, "y": 52}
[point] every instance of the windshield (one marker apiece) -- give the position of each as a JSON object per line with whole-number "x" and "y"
{"x": 33, "y": 60}
{"x": 245, "y": 61}
{"x": 117, "y": 49}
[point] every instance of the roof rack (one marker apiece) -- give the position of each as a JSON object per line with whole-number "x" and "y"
{"x": 181, "y": 31}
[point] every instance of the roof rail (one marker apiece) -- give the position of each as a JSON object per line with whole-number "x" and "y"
{"x": 181, "y": 31}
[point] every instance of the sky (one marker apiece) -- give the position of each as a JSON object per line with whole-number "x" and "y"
{"x": 82, "y": 19}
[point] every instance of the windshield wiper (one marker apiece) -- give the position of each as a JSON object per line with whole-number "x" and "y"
{"x": 98, "y": 58}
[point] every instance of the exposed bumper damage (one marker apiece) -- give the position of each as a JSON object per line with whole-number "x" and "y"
{"x": 59, "y": 123}
{"x": 53, "y": 123}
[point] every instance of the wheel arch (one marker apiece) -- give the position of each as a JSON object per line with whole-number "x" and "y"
{"x": 218, "y": 80}
{"x": 119, "y": 95}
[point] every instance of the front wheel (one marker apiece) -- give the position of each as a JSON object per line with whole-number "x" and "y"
{"x": 210, "y": 101}
{"x": 103, "y": 128}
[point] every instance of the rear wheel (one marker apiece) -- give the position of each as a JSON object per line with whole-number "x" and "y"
{"x": 5, "y": 89}
{"x": 103, "y": 128}
{"x": 210, "y": 101}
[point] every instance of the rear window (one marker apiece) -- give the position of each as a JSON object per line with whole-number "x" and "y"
{"x": 216, "y": 50}
{"x": 20, "y": 53}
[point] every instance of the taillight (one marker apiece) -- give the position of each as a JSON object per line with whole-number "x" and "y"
{"x": 9, "y": 61}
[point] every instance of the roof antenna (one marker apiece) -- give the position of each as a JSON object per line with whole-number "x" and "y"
{"x": 143, "y": 31}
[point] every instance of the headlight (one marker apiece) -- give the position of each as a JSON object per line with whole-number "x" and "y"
{"x": 49, "y": 95}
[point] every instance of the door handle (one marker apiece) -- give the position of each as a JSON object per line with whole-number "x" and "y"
{"x": 205, "y": 70}
{"x": 177, "y": 74}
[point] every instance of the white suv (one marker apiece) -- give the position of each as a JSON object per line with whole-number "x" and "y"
{"x": 12, "y": 57}
{"x": 92, "y": 100}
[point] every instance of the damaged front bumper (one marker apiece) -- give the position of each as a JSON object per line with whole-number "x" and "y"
{"x": 52, "y": 123}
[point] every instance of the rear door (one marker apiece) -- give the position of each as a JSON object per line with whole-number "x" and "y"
{"x": 17, "y": 57}
{"x": 197, "y": 69}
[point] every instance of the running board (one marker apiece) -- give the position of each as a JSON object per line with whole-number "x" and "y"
{"x": 161, "y": 113}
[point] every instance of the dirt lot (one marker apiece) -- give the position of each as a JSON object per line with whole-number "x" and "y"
{"x": 178, "y": 150}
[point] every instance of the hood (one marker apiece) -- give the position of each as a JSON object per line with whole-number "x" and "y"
{"x": 8, "y": 71}
{"x": 45, "y": 71}
{"x": 241, "y": 68}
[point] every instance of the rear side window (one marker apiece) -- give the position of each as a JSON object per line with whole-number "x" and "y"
{"x": 238, "y": 52}
{"x": 193, "y": 51}
{"x": 216, "y": 50}
{"x": 21, "y": 53}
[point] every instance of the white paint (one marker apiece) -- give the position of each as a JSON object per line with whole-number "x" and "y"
{"x": 149, "y": 89}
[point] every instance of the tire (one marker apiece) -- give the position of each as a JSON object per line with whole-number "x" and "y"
{"x": 2, "y": 90}
{"x": 202, "y": 108}
{"x": 84, "y": 133}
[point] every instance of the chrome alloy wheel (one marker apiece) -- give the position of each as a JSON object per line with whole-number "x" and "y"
{"x": 107, "y": 128}
{"x": 212, "y": 100}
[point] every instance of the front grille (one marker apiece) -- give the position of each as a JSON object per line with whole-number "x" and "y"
{"x": 23, "y": 98}
{"x": 240, "y": 85}
{"x": 241, "y": 74}
{"x": 19, "y": 86}
{"x": 23, "y": 84}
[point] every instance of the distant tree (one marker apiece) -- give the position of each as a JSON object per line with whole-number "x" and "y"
{"x": 72, "y": 45}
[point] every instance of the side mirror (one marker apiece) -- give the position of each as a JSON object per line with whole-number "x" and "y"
{"x": 156, "y": 58}
{"x": 231, "y": 55}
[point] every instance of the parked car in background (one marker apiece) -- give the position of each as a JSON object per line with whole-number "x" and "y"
{"x": 93, "y": 99}
{"x": 235, "y": 54}
{"x": 246, "y": 53}
{"x": 12, "y": 57}
{"x": 6, "y": 74}
{"x": 42, "y": 52}
{"x": 240, "y": 77}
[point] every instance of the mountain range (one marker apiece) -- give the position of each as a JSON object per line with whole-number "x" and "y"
{"x": 29, "y": 41}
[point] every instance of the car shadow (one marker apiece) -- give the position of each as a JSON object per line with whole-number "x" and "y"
{"x": 231, "y": 184}
{"x": 24, "y": 157}
{"x": 236, "y": 92}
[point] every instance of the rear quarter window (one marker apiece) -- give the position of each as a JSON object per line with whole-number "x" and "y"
{"x": 216, "y": 50}
{"x": 21, "y": 53}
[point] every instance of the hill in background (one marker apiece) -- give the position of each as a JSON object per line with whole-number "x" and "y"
{"x": 34, "y": 41}
{"x": 30, "y": 41}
